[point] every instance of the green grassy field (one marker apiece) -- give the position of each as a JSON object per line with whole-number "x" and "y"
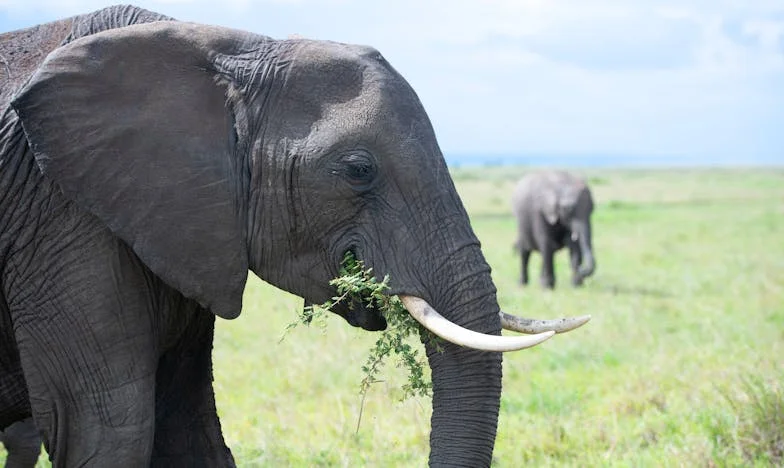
{"x": 680, "y": 366}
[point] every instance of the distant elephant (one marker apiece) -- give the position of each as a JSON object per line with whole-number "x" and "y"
{"x": 553, "y": 210}
{"x": 147, "y": 164}
{"x": 23, "y": 444}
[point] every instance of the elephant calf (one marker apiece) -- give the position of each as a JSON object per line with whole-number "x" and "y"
{"x": 23, "y": 444}
{"x": 553, "y": 210}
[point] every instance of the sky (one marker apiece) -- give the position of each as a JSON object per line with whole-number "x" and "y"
{"x": 691, "y": 80}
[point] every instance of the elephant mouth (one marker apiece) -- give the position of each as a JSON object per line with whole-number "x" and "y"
{"x": 355, "y": 311}
{"x": 358, "y": 315}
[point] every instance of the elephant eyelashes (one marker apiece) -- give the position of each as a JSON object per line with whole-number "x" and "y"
{"x": 360, "y": 170}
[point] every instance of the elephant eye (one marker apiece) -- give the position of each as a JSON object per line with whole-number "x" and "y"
{"x": 359, "y": 170}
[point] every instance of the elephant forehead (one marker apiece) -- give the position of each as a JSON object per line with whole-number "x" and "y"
{"x": 327, "y": 72}
{"x": 325, "y": 52}
{"x": 332, "y": 73}
{"x": 341, "y": 89}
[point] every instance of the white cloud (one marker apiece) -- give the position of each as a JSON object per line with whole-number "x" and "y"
{"x": 688, "y": 76}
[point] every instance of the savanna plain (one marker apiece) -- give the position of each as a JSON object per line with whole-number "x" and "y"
{"x": 681, "y": 364}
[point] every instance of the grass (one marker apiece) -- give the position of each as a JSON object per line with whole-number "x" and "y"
{"x": 680, "y": 366}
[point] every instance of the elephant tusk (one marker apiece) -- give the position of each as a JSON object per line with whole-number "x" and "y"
{"x": 526, "y": 325}
{"x": 436, "y": 323}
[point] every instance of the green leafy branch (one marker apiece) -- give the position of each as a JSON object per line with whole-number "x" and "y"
{"x": 357, "y": 285}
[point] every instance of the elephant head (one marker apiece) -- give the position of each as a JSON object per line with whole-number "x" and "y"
{"x": 213, "y": 151}
{"x": 569, "y": 203}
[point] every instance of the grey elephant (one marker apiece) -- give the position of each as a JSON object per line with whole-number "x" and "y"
{"x": 147, "y": 164}
{"x": 553, "y": 210}
{"x": 23, "y": 444}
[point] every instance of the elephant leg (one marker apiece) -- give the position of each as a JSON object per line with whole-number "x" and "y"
{"x": 14, "y": 401}
{"x": 547, "y": 277}
{"x": 23, "y": 444}
{"x": 86, "y": 335}
{"x": 187, "y": 429}
{"x": 525, "y": 256}
{"x": 93, "y": 409}
{"x": 575, "y": 259}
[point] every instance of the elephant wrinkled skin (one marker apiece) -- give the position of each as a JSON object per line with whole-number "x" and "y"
{"x": 553, "y": 210}
{"x": 147, "y": 164}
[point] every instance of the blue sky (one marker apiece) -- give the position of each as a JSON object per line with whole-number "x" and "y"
{"x": 697, "y": 79}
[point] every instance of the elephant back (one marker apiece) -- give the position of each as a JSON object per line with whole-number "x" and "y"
{"x": 22, "y": 51}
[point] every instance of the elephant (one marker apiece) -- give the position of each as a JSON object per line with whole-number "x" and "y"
{"x": 147, "y": 165}
{"x": 553, "y": 209}
{"x": 23, "y": 444}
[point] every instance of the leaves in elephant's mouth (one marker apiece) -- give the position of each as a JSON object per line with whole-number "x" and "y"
{"x": 355, "y": 284}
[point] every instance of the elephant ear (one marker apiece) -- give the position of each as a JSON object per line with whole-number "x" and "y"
{"x": 132, "y": 126}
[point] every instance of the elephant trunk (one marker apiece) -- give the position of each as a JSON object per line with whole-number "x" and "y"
{"x": 588, "y": 264}
{"x": 466, "y": 382}
{"x": 466, "y": 399}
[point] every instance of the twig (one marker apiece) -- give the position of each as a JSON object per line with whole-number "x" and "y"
{"x": 362, "y": 403}
{"x": 361, "y": 407}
